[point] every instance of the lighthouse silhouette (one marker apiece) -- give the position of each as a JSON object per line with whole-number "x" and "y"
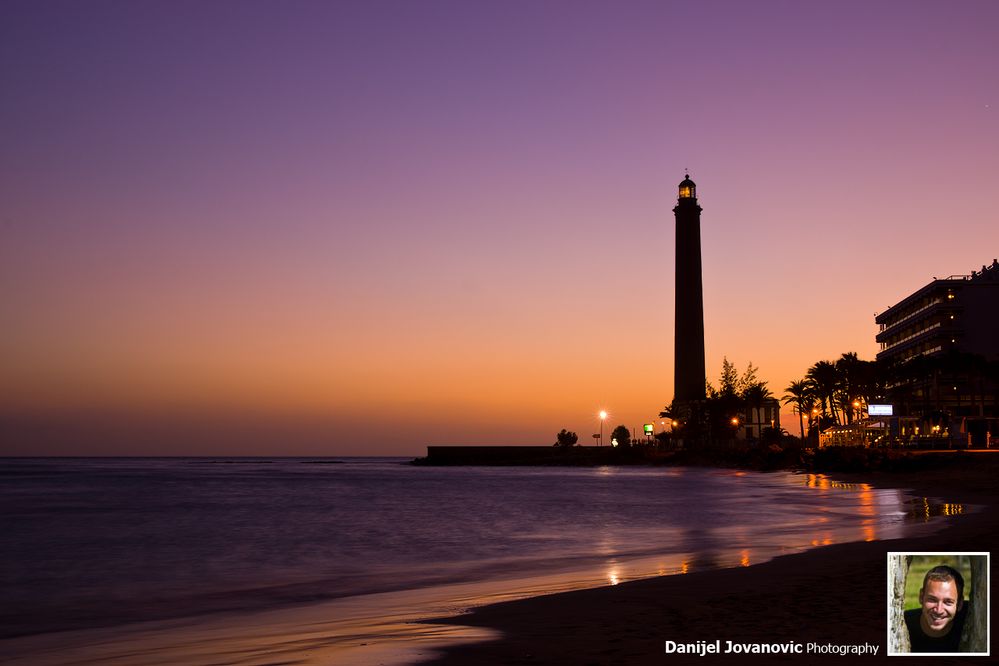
{"x": 688, "y": 340}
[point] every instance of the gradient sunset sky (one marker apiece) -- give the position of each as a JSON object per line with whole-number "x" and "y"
{"x": 358, "y": 228}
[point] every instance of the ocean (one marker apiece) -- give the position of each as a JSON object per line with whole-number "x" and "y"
{"x": 109, "y": 542}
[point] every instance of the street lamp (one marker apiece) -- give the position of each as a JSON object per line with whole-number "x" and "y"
{"x": 603, "y": 416}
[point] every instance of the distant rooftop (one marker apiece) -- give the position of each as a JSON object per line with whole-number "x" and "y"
{"x": 988, "y": 274}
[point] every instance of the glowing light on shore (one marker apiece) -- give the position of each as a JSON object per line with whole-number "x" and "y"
{"x": 869, "y": 512}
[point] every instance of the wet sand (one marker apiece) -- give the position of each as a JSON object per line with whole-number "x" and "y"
{"x": 361, "y": 631}
{"x": 834, "y": 594}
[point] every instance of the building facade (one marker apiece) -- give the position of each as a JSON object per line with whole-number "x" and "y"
{"x": 958, "y": 313}
{"x": 757, "y": 419}
{"x": 941, "y": 344}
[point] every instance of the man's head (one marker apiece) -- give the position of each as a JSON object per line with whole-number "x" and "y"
{"x": 941, "y": 597}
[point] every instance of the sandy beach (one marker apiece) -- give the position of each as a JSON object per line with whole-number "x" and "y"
{"x": 830, "y": 595}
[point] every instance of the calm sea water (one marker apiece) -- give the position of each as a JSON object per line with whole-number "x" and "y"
{"x": 99, "y": 542}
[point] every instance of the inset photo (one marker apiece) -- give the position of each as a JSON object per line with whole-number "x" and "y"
{"x": 938, "y": 603}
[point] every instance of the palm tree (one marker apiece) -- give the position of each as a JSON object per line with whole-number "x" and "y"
{"x": 849, "y": 368}
{"x": 799, "y": 395}
{"x": 871, "y": 381}
{"x": 824, "y": 379}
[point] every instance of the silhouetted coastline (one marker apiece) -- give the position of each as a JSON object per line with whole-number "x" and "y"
{"x": 832, "y": 459}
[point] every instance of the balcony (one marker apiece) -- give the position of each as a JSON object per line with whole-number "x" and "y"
{"x": 940, "y": 311}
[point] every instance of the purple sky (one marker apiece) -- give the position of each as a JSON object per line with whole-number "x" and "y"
{"x": 363, "y": 227}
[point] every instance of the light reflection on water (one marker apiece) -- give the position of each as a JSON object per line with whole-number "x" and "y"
{"x": 872, "y": 504}
{"x": 262, "y": 537}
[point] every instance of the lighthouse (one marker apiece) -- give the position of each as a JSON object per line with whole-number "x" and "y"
{"x": 688, "y": 340}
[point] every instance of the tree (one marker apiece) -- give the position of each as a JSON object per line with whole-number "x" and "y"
{"x": 823, "y": 377}
{"x": 870, "y": 382}
{"x": 716, "y": 419}
{"x": 848, "y": 369}
{"x": 748, "y": 380}
{"x": 622, "y": 436}
{"x": 728, "y": 382}
{"x": 799, "y": 395}
{"x": 566, "y": 438}
{"x": 755, "y": 395}
{"x": 771, "y": 435}
{"x": 898, "y": 571}
{"x": 976, "y": 626}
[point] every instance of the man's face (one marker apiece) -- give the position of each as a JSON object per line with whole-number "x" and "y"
{"x": 940, "y": 605}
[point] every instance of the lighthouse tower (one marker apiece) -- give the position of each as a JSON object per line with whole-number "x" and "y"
{"x": 688, "y": 342}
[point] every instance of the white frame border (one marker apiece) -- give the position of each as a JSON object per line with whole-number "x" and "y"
{"x": 988, "y": 607}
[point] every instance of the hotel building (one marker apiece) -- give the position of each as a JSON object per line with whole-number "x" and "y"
{"x": 960, "y": 312}
{"x": 943, "y": 343}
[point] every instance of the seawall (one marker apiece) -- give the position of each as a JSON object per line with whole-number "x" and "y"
{"x": 534, "y": 455}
